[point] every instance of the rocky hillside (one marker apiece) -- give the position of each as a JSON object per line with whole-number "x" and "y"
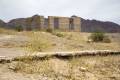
{"x": 95, "y": 25}
{"x": 2, "y": 23}
{"x": 86, "y": 25}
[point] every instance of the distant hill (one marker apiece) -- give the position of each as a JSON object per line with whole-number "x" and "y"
{"x": 2, "y": 23}
{"x": 86, "y": 25}
{"x": 95, "y": 25}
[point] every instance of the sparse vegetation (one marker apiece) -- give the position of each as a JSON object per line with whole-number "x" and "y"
{"x": 19, "y": 28}
{"x": 72, "y": 68}
{"x": 59, "y": 34}
{"x": 56, "y": 32}
{"x": 7, "y": 31}
{"x": 99, "y": 37}
{"x": 28, "y": 28}
{"x": 38, "y": 43}
{"x": 88, "y": 67}
{"x": 49, "y": 30}
{"x": 106, "y": 39}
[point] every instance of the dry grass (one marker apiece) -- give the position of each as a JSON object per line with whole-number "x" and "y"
{"x": 62, "y": 41}
{"x": 59, "y": 34}
{"x": 38, "y": 42}
{"x": 7, "y": 31}
{"x": 12, "y": 41}
{"x": 83, "y": 68}
{"x": 70, "y": 41}
{"x": 78, "y": 41}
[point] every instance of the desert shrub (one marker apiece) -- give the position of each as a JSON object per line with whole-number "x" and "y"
{"x": 99, "y": 37}
{"x": 106, "y": 39}
{"x": 49, "y": 30}
{"x": 58, "y": 34}
{"x": 31, "y": 67}
{"x": 70, "y": 37}
{"x": 70, "y": 68}
{"x": 7, "y": 31}
{"x": 19, "y": 28}
{"x": 28, "y": 28}
{"x": 38, "y": 43}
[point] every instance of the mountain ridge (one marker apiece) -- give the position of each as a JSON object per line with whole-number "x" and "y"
{"x": 86, "y": 24}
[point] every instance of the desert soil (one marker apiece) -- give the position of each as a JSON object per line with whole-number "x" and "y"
{"x": 12, "y": 46}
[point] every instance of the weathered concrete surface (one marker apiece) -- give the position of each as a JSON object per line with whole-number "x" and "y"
{"x": 76, "y": 53}
{"x": 77, "y": 24}
{"x": 50, "y": 22}
{"x": 62, "y": 55}
{"x": 64, "y": 23}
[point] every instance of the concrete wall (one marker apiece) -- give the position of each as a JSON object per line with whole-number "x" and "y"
{"x": 51, "y": 22}
{"x": 54, "y": 22}
{"x": 42, "y": 22}
{"x": 37, "y": 22}
{"x": 64, "y": 23}
{"x": 45, "y": 23}
{"x": 77, "y": 23}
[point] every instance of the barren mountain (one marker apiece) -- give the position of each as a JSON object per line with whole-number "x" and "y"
{"x": 95, "y": 25}
{"x": 86, "y": 25}
{"x": 2, "y": 23}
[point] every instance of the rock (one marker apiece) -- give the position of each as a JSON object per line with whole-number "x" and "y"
{"x": 4, "y": 59}
{"x": 83, "y": 69}
{"x": 13, "y": 66}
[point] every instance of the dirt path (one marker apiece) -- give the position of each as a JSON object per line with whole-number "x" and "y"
{"x": 10, "y": 45}
{"x": 11, "y": 52}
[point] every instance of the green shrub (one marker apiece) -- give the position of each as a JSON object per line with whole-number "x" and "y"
{"x": 99, "y": 37}
{"x": 7, "y": 31}
{"x": 19, "y": 28}
{"x": 38, "y": 43}
{"x": 49, "y": 30}
{"x": 106, "y": 39}
{"x": 28, "y": 28}
{"x": 59, "y": 34}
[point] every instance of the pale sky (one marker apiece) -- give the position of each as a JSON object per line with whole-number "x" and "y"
{"x": 105, "y": 10}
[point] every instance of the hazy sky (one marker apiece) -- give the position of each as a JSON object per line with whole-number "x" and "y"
{"x": 105, "y": 10}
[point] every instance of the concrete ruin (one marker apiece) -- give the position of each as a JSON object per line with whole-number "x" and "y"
{"x": 37, "y": 22}
{"x": 64, "y": 23}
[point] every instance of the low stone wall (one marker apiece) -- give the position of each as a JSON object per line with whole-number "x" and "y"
{"x": 60, "y": 55}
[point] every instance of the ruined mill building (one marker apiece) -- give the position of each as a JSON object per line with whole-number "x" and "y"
{"x": 64, "y": 23}
{"x": 53, "y": 22}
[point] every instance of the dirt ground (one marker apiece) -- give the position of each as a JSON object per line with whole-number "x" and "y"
{"x": 83, "y": 68}
{"x": 13, "y": 45}
{"x": 99, "y": 69}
